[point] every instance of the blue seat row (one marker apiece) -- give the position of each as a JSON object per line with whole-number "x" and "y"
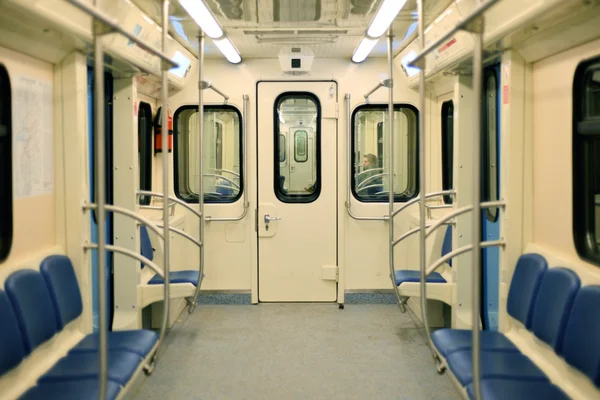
{"x": 552, "y": 305}
{"x": 37, "y": 305}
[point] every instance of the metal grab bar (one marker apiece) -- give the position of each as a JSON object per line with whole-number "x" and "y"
{"x": 114, "y": 26}
{"x": 171, "y": 208}
{"x": 390, "y": 143}
{"x": 245, "y": 99}
{"x": 367, "y": 171}
{"x": 422, "y": 184}
{"x": 384, "y": 83}
{"x": 408, "y": 234}
{"x": 227, "y": 171}
{"x": 173, "y": 199}
{"x": 194, "y": 301}
{"x": 129, "y": 253}
{"x": 438, "y": 206}
{"x": 209, "y": 85}
{"x": 454, "y": 253}
{"x": 184, "y": 234}
{"x": 124, "y": 211}
{"x": 460, "y": 211}
{"x": 464, "y": 24}
{"x": 450, "y": 192}
{"x": 164, "y": 97}
{"x": 235, "y": 185}
{"x": 101, "y": 25}
{"x": 349, "y": 174}
{"x": 372, "y": 178}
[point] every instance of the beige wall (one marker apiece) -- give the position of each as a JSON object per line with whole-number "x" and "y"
{"x": 34, "y": 218}
{"x": 552, "y": 211}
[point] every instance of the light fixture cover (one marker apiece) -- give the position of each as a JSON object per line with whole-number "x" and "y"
{"x": 230, "y": 52}
{"x": 364, "y": 48}
{"x": 198, "y": 10}
{"x": 385, "y": 16}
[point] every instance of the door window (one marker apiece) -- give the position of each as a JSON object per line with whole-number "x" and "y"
{"x": 6, "y": 198}
{"x": 297, "y": 121}
{"x": 370, "y": 167}
{"x": 222, "y": 154}
{"x": 586, "y": 160}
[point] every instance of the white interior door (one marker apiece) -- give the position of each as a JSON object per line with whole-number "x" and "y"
{"x": 297, "y": 217}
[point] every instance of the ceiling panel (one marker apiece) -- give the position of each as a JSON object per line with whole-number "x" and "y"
{"x": 260, "y": 28}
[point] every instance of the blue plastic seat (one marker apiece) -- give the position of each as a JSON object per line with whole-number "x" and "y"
{"x": 507, "y": 389}
{"x": 494, "y": 364}
{"x": 82, "y": 389}
{"x": 177, "y": 277}
{"x": 581, "y": 344}
{"x": 12, "y": 349}
{"x": 448, "y": 341}
{"x": 529, "y": 271}
{"x": 33, "y": 308}
{"x": 121, "y": 367}
{"x": 188, "y": 276}
{"x": 139, "y": 342}
{"x": 553, "y": 305}
{"x": 403, "y": 276}
{"x": 59, "y": 274}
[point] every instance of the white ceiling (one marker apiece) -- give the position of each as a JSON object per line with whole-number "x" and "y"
{"x": 259, "y": 28}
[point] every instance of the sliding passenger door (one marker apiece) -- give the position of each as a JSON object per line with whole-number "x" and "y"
{"x": 490, "y": 223}
{"x": 108, "y": 92}
{"x": 297, "y": 218}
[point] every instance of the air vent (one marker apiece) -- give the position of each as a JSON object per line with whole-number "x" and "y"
{"x": 296, "y": 50}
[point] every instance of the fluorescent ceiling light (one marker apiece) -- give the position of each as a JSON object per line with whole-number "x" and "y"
{"x": 385, "y": 16}
{"x": 230, "y": 52}
{"x": 203, "y": 17}
{"x": 364, "y": 48}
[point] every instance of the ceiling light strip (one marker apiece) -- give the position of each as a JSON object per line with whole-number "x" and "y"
{"x": 201, "y": 14}
{"x": 387, "y": 12}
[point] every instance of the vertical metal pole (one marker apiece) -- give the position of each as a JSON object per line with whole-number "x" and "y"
{"x": 201, "y": 152}
{"x": 200, "y": 171}
{"x": 165, "y": 148}
{"x": 391, "y": 151}
{"x": 476, "y": 227}
{"x": 348, "y": 150}
{"x": 99, "y": 130}
{"x": 422, "y": 183}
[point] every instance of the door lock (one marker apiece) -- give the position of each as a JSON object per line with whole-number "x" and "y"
{"x": 268, "y": 219}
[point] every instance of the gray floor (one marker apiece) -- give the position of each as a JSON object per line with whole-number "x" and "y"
{"x": 296, "y": 351}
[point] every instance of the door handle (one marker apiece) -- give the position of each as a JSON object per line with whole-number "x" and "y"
{"x": 268, "y": 219}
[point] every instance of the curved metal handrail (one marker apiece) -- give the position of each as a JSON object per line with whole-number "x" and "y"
{"x": 123, "y": 211}
{"x": 235, "y": 185}
{"x": 367, "y": 171}
{"x": 371, "y": 178}
{"x": 408, "y": 234}
{"x": 129, "y": 253}
{"x": 184, "y": 234}
{"x": 371, "y": 186}
{"x": 173, "y": 199}
{"x": 460, "y": 211}
{"x": 450, "y": 192}
{"x": 227, "y": 171}
{"x": 454, "y": 253}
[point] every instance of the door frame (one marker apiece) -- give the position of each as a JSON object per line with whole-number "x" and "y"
{"x": 253, "y": 188}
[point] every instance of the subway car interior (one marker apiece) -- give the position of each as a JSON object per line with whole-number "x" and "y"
{"x": 299, "y": 199}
